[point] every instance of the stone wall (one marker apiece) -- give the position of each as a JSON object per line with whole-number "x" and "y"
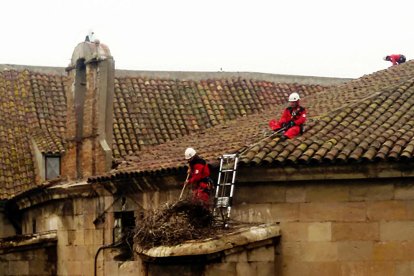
{"x": 259, "y": 260}
{"x": 360, "y": 227}
{"x": 336, "y": 228}
{"x": 250, "y": 261}
{"x": 83, "y": 225}
{"x": 30, "y": 261}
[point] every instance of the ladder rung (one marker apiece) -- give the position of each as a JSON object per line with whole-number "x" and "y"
{"x": 225, "y": 184}
{"x": 234, "y": 155}
{"x": 228, "y": 170}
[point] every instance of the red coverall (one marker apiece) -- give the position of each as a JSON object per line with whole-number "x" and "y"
{"x": 295, "y": 114}
{"x": 395, "y": 59}
{"x": 199, "y": 172}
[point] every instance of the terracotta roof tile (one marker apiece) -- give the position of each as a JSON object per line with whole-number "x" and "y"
{"x": 30, "y": 108}
{"x": 153, "y": 111}
{"x": 146, "y": 112}
{"x": 365, "y": 120}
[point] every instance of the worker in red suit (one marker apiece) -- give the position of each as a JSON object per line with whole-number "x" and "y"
{"x": 395, "y": 59}
{"x": 292, "y": 119}
{"x": 199, "y": 177}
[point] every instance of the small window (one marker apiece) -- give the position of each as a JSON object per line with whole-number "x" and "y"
{"x": 52, "y": 166}
{"x": 124, "y": 224}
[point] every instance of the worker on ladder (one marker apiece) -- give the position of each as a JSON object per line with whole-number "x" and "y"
{"x": 292, "y": 119}
{"x": 198, "y": 177}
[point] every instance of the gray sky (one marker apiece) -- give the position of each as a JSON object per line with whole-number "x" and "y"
{"x": 302, "y": 37}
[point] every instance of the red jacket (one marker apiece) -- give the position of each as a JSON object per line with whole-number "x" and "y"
{"x": 394, "y": 59}
{"x": 297, "y": 115}
{"x": 199, "y": 170}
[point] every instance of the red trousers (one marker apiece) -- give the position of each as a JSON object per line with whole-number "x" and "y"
{"x": 200, "y": 193}
{"x": 290, "y": 133}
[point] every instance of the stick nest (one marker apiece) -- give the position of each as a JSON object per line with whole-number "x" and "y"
{"x": 173, "y": 224}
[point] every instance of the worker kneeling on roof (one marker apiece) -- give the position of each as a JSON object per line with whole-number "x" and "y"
{"x": 292, "y": 120}
{"x": 199, "y": 176}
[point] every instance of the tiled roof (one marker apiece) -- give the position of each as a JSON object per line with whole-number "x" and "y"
{"x": 30, "y": 108}
{"x": 154, "y": 111}
{"x": 368, "y": 119}
{"x": 378, "y": 128}
{"x": 146, "y": 112}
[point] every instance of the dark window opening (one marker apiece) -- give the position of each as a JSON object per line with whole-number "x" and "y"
{"x": 124, "y": 224}
{"x": 52, "y": 166}
{"x": 123, "y": 233}
{"x": 34, "y": 230}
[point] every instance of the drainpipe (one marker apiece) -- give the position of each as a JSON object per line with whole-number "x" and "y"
{"x": 113, "y": 245}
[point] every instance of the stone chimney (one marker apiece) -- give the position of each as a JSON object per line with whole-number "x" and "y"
{"x": 89, "y": 97}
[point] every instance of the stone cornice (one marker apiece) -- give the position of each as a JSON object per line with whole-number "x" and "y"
{"x": 326, "y": 172}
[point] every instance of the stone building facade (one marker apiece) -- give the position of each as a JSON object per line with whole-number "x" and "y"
{"x": 344, "y": 218}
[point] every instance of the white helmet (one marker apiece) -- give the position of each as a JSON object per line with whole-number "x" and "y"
{"x": 189, "y": 153}
{"x": 294, "y": 97}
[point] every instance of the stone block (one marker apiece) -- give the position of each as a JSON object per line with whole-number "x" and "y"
{"x": 324, "y": 269}
{"x": 253, "y": 213}
{"x": 285, "y": 211}
{"x": 111, "y": 268}
{"x": 260, "y": 193}
{"x": 410, "y": 209}
{"x": 240, "y": 256}
{"x": 62, "y": 267}
{"x": 333, "y": 211}
{"x": 295, "y": 194}
{"x": 40, "y": 267}
{"x": 228, "y": 269}
{"x": 62, "y": 237}
{"x": 66, "y": 223}
{"x": 320, "y": 231}
{"x": 130, "y": 268}
{"x": 294, "y": 231}
{"x": 320, "y": 251}
{"x": 78, "y": 222}
{"x": 355, "y": 250}
{"x": 357, "y": 268}
{"x": 89, "y": 236}
{"x": 265, "y": 268}
{"x": 74, "y": 268}
{"x": 67, "y": 253}
{"x": 404, "y": 268}
{"x": 292, "y": 251}
{"x": 88, "y": 266}
{"x": 98, "y": 236}
{"x": 4, "y": 267}
{"x": 381, "y": 268}
{"x": 324, "y": 193}
{"x": 368, "y": 192}
{"x": 393, "y": 251}
{"x": 261, "y": 254}
{"x": 295, "y": 268}
{"x": 404, "y": 192}
{"x": 20, "y": 268}
{"x": 246, "y": 269}
{"x": 397, "y": 231}
{"x": 82, "y": 253}
{"x": 355, "y": 231}
{"x": 88, "y": 221}
{"x": 53, "y": 223}
{"x": 387, "y": 210}
{"x": 79, "y": 238}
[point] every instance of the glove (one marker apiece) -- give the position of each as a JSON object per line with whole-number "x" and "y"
{"x": 273, "y": 125}
{"x": 290, "y": 124}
